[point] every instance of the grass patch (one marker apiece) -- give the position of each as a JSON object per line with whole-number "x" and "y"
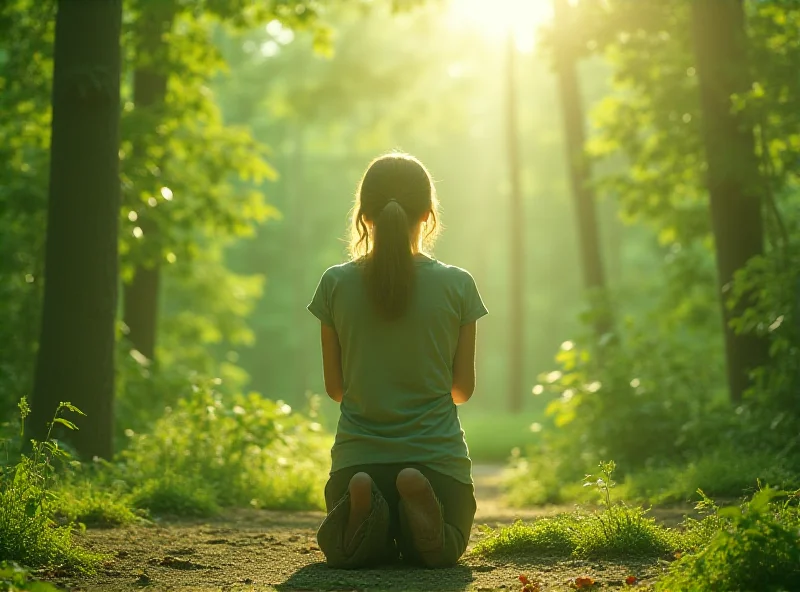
{"x": 624, "y": 532}
{"x": 614, "y": 532}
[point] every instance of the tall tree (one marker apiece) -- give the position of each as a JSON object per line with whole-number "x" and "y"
{"x": 76, "y": 349}
{"x": 732, "y": 178}
{"x": 516, "y": 353}
{"x": 140, "y": 295}
{"x": 579, "y": 172}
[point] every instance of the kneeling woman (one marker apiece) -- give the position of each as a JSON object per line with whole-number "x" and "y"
{"x": 398, "y": 349}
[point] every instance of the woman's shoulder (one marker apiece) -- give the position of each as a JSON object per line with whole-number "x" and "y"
{"x": 341, "y": 270}
{"x": 452, "y": 271}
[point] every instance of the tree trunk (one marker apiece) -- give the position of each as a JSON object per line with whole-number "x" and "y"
{"x": 733, "y": 176}
{"x": 517, "y": 244}
{"x": 140, "y": 298}
{"x": 76, "y": 349}
{"x": 579, "y": 172}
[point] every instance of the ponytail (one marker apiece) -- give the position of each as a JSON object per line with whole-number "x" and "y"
{"x": 390, "y": 266}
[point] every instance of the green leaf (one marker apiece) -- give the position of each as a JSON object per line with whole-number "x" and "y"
{"x": 65, "y": 422}
{"x": 30, "y": 507}
{"x": 72, "y": 408}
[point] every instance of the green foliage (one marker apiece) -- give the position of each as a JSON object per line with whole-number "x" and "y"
{"x": 771, "y": 285}
{"x": 26, "y": 37}
{"x": 534, "y": 478}
{"x": 229, "y": 451}
{"x": 616, "y": 531}
{"x": 757, "y": 548}
{"x": 27, "y": 532}
{"x": 14, "y": 578}
{"x": 602, "y": 399}
{"x": 725, "y": 472}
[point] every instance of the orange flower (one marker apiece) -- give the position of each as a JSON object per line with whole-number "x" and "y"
{"x": 583, "y": 582}
{"x": 523, "y": 578}
{"x": 631, "y": 580}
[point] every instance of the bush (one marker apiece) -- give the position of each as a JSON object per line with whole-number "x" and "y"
{"x": 27, "y": 532}
{"x": 723, "y": 473}
{"x": 213, "y": 451}
{"x": 757, "y": 547}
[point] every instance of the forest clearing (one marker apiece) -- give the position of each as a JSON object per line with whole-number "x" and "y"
{"x": 267, "y": 550}
{"x": 508, "y": 289}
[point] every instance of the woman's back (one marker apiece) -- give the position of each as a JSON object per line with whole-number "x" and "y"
{"x": 398, "y": 374}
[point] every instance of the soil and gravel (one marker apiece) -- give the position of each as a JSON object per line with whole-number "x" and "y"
{"x": 276, "y": 551}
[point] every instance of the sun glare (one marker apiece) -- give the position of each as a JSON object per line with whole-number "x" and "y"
{"x": 497, "y": 19}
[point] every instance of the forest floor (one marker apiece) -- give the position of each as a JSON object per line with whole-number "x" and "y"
{"x": 258, "y": 550}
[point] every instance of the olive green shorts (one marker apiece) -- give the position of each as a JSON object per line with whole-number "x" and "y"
{"x": 385, "y": 537}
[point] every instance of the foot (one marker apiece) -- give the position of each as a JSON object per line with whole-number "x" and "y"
{"x": 422, "y": 510}
{"x": 360, "y": 505}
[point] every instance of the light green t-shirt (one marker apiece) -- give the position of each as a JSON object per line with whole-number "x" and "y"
{"x": 398, "y": 375}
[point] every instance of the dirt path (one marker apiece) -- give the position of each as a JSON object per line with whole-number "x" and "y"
{"x": 266, "y": 551}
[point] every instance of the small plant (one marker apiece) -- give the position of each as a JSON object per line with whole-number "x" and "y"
{"x": 27, "y": 532}
{"x": 603, "y": 483}
{"x": 620, "y": 529}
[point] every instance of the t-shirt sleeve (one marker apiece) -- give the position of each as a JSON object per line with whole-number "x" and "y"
{"x": 473, "y": 307}
{"x": 320, "y": 305}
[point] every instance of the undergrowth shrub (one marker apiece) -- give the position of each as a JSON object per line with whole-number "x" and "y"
{"x": 211, "y": 451}
{"x": 726, "y": 472}
{"x": 756, "y": 547}
{"x": 28, "y": 533}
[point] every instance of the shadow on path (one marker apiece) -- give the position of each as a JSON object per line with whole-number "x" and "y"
{"x": 318, "y": 576}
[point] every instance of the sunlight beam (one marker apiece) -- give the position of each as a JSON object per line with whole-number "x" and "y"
{"x": 496, "y": 20}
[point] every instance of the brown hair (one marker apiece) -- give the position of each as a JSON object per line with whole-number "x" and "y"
{"x": 395, "y": 215}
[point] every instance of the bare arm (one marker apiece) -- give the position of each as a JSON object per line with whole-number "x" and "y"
{"x": 464, "y": 364}
{"x": 332, "y": 363}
